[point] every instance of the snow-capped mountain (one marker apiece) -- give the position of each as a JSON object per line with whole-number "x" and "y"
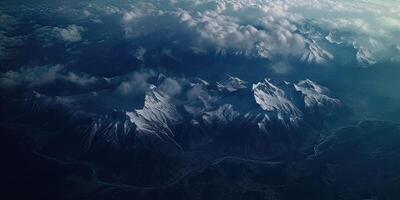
{"x": 277, "y": 102}
{"x": 158, "y": 113}
{"x": 205, "y": 111}
{"x": 333, "y": 39}
{"x": 315, "y": 54}
{"x": 231, "y": 84}
{"x": 315, "y": 95}
{"x": 365, "y": 57}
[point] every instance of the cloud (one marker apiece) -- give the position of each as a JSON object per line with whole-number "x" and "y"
{"x": 171, "y": 86}
{"x": 281, "y": 68}
{"x": 129, "y": 17}
{"x": 37, "y": 76}
{"x": 199, "y": 94}
{"x": 264, "y": 30}
{"x": 31, "y": 77}
{"x": 270, "y": 29}
{"x": 137, "y": 84}
{"x": 51, "y": 35}
{"x": 273, "y": 30}
{"x": 368, "y": 26}
{"x": 81, "y": 79}
{"x": 139, "y": 53}
{"x": 71, "y": 33}
{"x": 9, "y": 45}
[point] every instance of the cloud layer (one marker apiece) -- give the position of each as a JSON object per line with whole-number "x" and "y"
{"x": 116, "y": 39}
{"x": 38, "y": 76}
{"x": 271, "y": 29}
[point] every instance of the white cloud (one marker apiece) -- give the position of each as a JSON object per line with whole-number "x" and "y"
{"x": 51, "y": 35}
{"x": 370, "y": 26}
{"x": 171, "y": 86}
{"x": 270, "y": 29}
{"x": 129, "y": 17}
{"x": 9, "y": 44}
{"x": 37, "y": 76}
{"x": 139, "y": 53}
{"x": 71, "y": 33}
{"x": 267, "y": 28}
{"x": 252, "y": 28}
{"x": 281, "y": 68}
{"x": 137, "y": 84}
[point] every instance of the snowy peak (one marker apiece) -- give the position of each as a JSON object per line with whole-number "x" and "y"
{"x": 290, "y": 102}
{"x": 365, "y": 57}
{"x": 155, "y": 98}
{"x": 158, "y": 113}
{"x": 112, "y": 128}
{"x": 231, "y": 84}
{"x": 314, "y": 94}
{"x": 316, "y": 54}
{"x": 273, "y": 99}
{"x": 317, "y": 101}
{"x": 223, "y": 115}
{"x": 332, "y": 39}
{"x": 268, "y": 105}
{"x": 201, "y": 81}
